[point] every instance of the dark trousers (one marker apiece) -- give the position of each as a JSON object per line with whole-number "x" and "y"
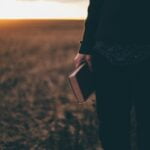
{"x": 118, "y": 88}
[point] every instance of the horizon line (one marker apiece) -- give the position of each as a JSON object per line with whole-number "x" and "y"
{"x": 42, "y": 18}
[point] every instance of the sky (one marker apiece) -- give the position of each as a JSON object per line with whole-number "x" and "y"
{"x": 43, "y": 9}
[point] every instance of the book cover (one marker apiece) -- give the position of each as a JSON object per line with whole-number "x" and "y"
{"x": 81, "y": 81}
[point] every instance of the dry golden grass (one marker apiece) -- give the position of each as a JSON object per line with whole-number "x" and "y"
{"x": 36, "y": 103}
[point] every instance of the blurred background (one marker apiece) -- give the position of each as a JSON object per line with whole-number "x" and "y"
{"x": 38, "y": 41}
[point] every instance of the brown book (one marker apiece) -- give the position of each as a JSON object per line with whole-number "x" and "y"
{"x": 81, "y": 81}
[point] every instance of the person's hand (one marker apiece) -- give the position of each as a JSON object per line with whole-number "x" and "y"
{"x": 79, "y": 58}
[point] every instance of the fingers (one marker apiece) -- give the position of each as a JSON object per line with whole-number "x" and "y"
{"x": 78, "y": 63}
{"x": 79, "y": 58}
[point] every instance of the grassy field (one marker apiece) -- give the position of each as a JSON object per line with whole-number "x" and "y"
{"x": 37, "y": 109}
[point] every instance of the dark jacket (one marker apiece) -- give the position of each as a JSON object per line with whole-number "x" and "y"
{"x": 124, "y": 21}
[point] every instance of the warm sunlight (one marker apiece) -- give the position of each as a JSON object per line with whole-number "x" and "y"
{"x": 42, "y": 9}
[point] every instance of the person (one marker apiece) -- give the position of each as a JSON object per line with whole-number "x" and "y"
{"x": 116, "y": 46}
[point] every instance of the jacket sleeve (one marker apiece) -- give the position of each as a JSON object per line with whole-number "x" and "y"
{"x": 90, "y": 26}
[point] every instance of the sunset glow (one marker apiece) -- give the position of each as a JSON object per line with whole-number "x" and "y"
{"x": 14, "y": 9}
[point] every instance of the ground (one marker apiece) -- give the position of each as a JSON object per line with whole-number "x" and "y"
{"x": 37, "y": 107}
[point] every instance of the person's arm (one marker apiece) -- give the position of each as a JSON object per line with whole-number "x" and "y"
{"x": 90, "y": 25}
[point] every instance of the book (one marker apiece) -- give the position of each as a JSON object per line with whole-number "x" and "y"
{"x": 81, "y": 81}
